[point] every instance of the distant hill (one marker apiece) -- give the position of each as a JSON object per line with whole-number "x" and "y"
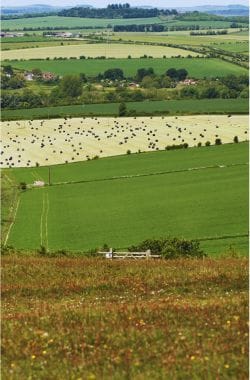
{"x": 36, "y": 8}
{"x": 227, "y": 10}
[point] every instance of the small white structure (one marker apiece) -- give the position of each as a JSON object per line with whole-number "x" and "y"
{"x": 29, "y": 76}
{"x": 39, "y": 184}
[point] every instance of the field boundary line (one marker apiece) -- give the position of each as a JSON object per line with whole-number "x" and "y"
{"x": 149, "y": 174}
{"x": 46, "y": 220}
{"x": 41, "y": 222}
{"x": 222, "y": 237}
{"x": 208, "y": 239}
{"x": 13, "y": 221}
{"x": 13, "y": 209}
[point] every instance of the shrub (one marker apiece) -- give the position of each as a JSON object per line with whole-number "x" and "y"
{"x": 208, "y": 143}
{"x": 199, "y": 144}
{"x": 128, "y": 151}
{"x": 122, "y": 109}
{"x": 170, "y": 248}
{"x": 42, "y": 251}
{"x": 22, "y": 186}
{"x": 236, "y": 139}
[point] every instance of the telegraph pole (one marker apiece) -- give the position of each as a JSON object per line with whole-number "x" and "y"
{"x": 49, "y": 176}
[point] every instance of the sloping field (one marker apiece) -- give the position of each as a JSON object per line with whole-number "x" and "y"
{"x": 172, "y": 107}
{"x": 195, "y": 193}
{"x": 182, "y": 37}
{"x": 95, "y": 50}
{"x": 196, "y": 67}
{"x": 96, "y": 319}
{"x": 56, "y": 141}
{"x": 72, "y": 22}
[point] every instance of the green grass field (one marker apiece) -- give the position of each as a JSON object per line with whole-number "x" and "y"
{"x": 196, "y": 67}
{"x": 96, "y": 209}
{"x": 180, "y": 107}
{"x": 38, "y": 44}
{"x": 74, "y": 22}
{"x": 71, "y": 22}
{"x": 181, "y": 38}
{"x": 234, "y": 47}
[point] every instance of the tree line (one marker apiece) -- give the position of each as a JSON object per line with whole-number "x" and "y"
{"x": 116, "y": 11}
{"x": 116, "y": 88}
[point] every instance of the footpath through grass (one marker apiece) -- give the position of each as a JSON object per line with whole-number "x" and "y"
{"x": 155, "y": 195}
{"x": 93, "y": 319}
{"x": 169, "y": 107}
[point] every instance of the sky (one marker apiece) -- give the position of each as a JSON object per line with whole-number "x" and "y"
{"x": 102, "y": 3}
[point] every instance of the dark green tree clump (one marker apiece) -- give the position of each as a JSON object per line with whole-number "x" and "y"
{"x": 177, "y": 75}
{"x": 113, "y": 74}
{"x": 170, "y": 248}
{"x": 71, "y": 86}
{"x": 122, "y": 109}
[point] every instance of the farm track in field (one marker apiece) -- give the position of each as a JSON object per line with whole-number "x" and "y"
{"x": 148, "y": 174}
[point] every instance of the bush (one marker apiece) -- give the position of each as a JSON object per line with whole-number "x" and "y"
{"x": 22, "y": 186}
{"x": 170, "y": 248}
{"x": 236, "y": 139}
{"x": 42, "y": 251}
{"x": 122, "y": 109}
{"x": 199, "y": 144}
{"x": 128, "y": 151}
{"x": 208, "y": 143}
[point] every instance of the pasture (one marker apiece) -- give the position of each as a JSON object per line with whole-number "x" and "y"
{"x": 92, "y": 319}
{"x": 38, "y": 44}
{"x": 196, "y": 67}
{"x": 72, "y": 22}
{"x": 234, "y": 47}
{"x": 195, "y": 193}
{"x": 181, "y": 38}
{"x": 56, "y": 141}
{"x": 95, "y": 50}
{"x": 170, "y": 107}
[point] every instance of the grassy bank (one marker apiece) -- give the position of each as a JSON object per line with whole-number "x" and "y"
{"x": 93, "y": 319}
{"x": 171, "y": 107}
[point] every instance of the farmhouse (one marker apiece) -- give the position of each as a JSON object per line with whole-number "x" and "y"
{"x": 188, "y": 82}
{"x": 48, "y": 76}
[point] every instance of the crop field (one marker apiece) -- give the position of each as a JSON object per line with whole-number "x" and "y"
{"x": 71, "y": 22}
{"x": 180, "y": 38}
{"x": 170, "y": 107}
{"x": 195, "y": 193}
{"x": 234, "y": 47}
{"x": 38, "y": 44}
{"x": 96, "y": 50}
{"x": 56, "y": 141}
{"x": 92, "y": 319}
{"x": 196, "y": 67}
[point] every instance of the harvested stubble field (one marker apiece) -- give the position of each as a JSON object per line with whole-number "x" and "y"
{"x": 196, "y": 193}
{"x": 93, "y": 319}
{"x": 196, "y": 67}
{"x": 56, "y": 141}
{"x": 96, "y": 50}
